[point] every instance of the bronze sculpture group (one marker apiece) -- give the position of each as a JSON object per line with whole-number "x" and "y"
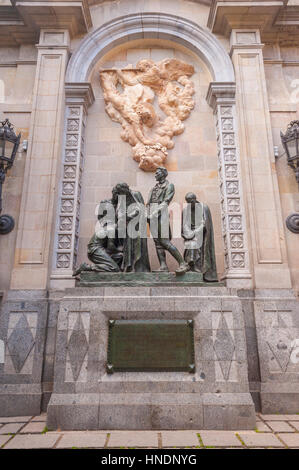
{"x": 120, "y": 239}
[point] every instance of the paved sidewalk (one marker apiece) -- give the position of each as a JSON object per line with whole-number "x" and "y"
{"x": 30, "y": 432}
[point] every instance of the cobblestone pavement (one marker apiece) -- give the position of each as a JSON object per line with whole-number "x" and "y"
{"x": 30, "y": 432}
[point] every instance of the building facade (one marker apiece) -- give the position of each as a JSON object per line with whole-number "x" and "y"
{"x": 246, "y": 91}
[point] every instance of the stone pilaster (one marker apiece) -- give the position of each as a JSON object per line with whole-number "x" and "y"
{"x": 37, "y": 207}
{"x": 78, "y": 97}
{"x": 262, "y": 202}
{"x": 23, "y": 326}
{"x": 276, "y": 319}
{"x": 221, "y": 96}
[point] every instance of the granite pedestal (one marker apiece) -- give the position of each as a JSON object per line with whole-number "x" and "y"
{"x": 216, "y": 396}
{"x": 23, "y": 330}
{"x": 245, "y": 344}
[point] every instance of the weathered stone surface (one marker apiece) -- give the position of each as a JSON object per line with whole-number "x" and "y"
{"x": 262, "y": 427}
{"x": 4, "y": 439}
{"x": 11, "y": 428}
{"x": 40, "y": 418}
{"x": 73, "y": 412}
{"x": 82, "y": 440}
{"x": 279, "y": 402}
{"x": 15, "y": 419}
{"x": 228, "y": 411}
{"x": 280, "y": 426}
{"x": 153, "y": 400}
{"x": 20, "y": 343}
{"x": 291, "y": 440}
{"x": 256, "y": 439}
{"x": 44, "y": 441}
{"x": 134, "y": 439}
{"x": 276, "y": 315}
{"x": 150, "y": 411}
{"x": 14, "y": 404}
{"x": 179, "y": 439}
{"x": 34, "y": 427}
{"x": 295, "y": 424}
{"x": 219, "y": 439}
{"x": 23, "y": 323}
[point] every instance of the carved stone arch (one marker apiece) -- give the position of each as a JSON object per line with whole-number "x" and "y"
{"x": 150, "y": 25}
{"x": 221, "y": 97}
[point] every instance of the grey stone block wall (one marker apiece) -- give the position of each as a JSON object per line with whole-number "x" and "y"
{"x": 254, "y": 376}
{"x": 55, "y": 347}
{"x": 86, "y": 397}
{"x": 277, "y": 326}
{"x": 23, "y": 324}
{"x": 50, "y": 347}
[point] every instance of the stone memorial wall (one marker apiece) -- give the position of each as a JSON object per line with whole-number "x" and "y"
{"x": 89, "y": 86}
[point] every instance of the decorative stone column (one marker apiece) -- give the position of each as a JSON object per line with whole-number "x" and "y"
{"x": 258, "y": 163}
{"x": 24, "y": 321}
{"x": 78, "y": 97}
{"x": 221, "y": 96}
{"x": 40, "y": 179}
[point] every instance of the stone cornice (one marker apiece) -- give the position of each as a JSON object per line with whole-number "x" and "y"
{"x": 245, "y": 47}
{"x": 79, "y": 93}
{"x": 224, "y": 92}
{"x": 271, "y": 17}
{"x": 15, "y": 63}
{"x": 21, "y": 23}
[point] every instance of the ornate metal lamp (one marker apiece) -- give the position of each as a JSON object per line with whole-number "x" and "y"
{"x": 290, "y": 141}
{"x": 9, "y": 143}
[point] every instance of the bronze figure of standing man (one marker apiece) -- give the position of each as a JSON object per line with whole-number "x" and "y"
{"x": 159, "y": 198}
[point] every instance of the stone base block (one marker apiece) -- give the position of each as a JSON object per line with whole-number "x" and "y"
{"x": 228, "y": 411}
{"x": 23, "y": 331}
{"x": 73, "y": 412}
{"x": 151, "y": 411}
{"x": 136, "y": 411}
{"x": 277, "y": 329}
{"x": 284, "y": 403}
{"x": 20, "y": 404}
{"x": 85, "y": 396}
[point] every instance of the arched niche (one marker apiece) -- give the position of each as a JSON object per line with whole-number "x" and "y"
{"x": 150, "y": 25}
{"x": 220, "y": 96}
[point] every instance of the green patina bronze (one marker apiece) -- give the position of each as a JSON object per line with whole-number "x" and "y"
{"x": 197, "y": 231}
{"x": 118, "y": 249}
{"x": 101, "y": 279}
{"x": 150, "y": 346}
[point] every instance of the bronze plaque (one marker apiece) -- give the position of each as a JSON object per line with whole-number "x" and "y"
{"x": 150, "y": 346}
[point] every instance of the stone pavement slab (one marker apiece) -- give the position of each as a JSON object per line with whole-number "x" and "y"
{"x": 83, "y": 439}
{"x": 274, "y": 431}
{"x": 133, "y": 439}
{"x": 11, "y": 428}
{"x": 291, "y": 440}
{"x": 295, "y": 424}
{"x": 262, "y": 427}
{"x": 280, "y": 426}
{"x": 279, "y": 417}
{"x": 4, "y": 439}
{"x": 220, "y": 438}
{"x": 42, "y": 417}
{"x": 15, "y": 419}
{"x": 33, "y": 441}
{"x": 180, "y": 439}
{"x": 33, "y": 427}
{"x": 258, "y": 439}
